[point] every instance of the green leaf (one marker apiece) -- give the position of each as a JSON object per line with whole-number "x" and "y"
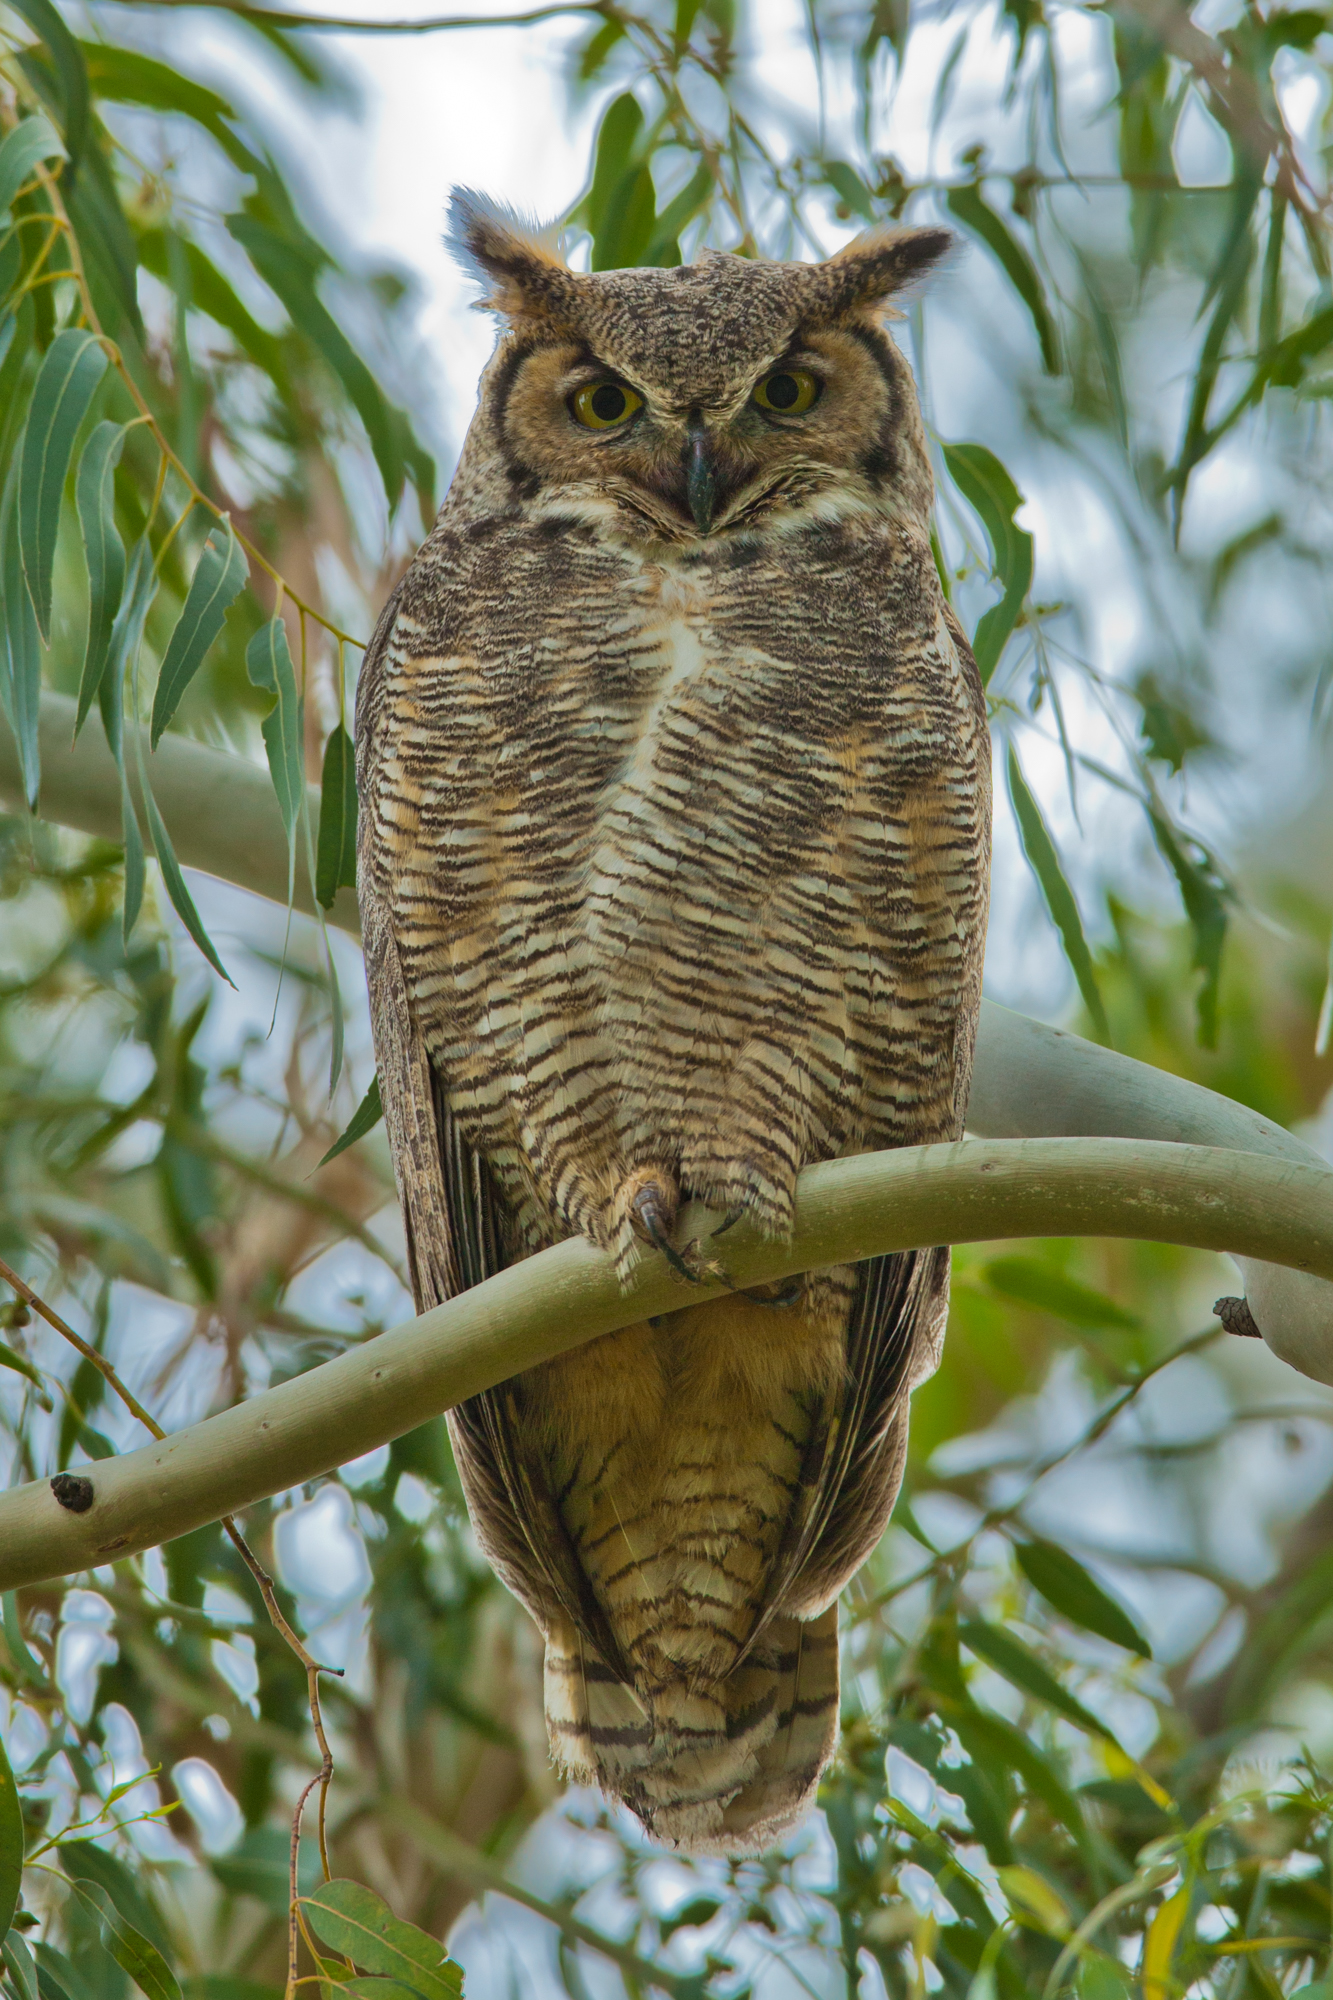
{"x": 664, "y": 249}
{"x": 335, "y": 866}
{"x": 211, "y": 293}
{"x": 288, "y": 270}
{"x": 618, "y": 138}
{"x": 29, "y": 1669}
{"x": 973, "y": 210}
{"x": 364, "y": 1119}
{"x": 87, "y": 1863}
{"x": 71, "y": 76}
{"x": 11, "y": 1840}
{"x": 354, "y": 1920}
{"x": 1024, "y": 1670}
{"x": 1077, "y": 1596}
{"x": 58, "y": 1978}
{"x": 1044, "y": 862}
{"x": 31, "y": 141}
{"x": 18, "y": 1964}
{"x": 219, "y": 578}
{"x": 850, "y": 189}
{"x": 71, "y": 369}
{"x": 126, "y": 77}
{"x": 126, "y": 639}
{"x": 95, "y": 489}
{"x": 1204, "y": 895}
{"x": 181, "y": 900}
{"x": 8, "y": 1359}
{"x": 1034, "y": 1284}
{"x": 988, "y": 489}
{"x": 628, "y": 226}
{"x": 699, "y": 1910}
{"x": 134, "y": 862}
{"x": 20, "y": 652}
{"x": 268, "y": 662}
{"x": 133, "y": 1952}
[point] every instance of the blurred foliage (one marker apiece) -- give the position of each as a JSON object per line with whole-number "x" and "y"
{"x": 199, "y": 389}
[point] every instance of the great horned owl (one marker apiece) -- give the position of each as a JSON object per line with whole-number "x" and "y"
{"x": 675, "y": 810}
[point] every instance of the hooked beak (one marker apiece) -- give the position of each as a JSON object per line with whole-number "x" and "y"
{"x": 700, "y": 474}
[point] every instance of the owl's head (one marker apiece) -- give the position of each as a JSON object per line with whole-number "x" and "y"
{"x": 700, "y": 400}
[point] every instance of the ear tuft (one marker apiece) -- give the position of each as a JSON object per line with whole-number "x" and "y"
{"x": 515, "y": 259}
{"x": 879, "y": 264}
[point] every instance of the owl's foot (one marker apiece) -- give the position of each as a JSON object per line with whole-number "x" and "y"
{"x": 651, "y": 1201}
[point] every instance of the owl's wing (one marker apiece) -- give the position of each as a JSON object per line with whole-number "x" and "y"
{"x": 853, "y": 1462}
{"x": 454, "y": 1220}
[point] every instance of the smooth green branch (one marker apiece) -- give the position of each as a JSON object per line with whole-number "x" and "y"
{"x": 980, "y": 1190}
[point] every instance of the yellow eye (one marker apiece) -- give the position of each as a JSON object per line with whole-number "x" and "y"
{"x": 787, "y": 392}
{"x": 601, "y": 406}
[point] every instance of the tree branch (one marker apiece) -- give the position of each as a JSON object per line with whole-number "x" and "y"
{"x": 846, "y": 1209}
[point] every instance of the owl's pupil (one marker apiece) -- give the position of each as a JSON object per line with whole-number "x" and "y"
{"x": 608, "y": 403}
{"x": 782, "y": 391}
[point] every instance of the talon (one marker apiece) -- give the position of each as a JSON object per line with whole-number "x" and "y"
{"x": 652, "y": 1213}
{"x": 648, "y": 1211}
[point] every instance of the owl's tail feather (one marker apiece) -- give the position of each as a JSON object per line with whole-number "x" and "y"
{"x": 724, "y": 1768}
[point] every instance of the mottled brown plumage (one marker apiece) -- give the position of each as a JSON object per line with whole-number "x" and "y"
{"x": 675, "y": 793}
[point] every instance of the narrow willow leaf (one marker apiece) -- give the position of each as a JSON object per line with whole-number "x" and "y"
{"x": 20, "y": 649}
{"x": 975, "y": 212}
{"x": 286, "y": 267}
{"x": 134, "y": 862}
{"x": 32, "y": 140}
{"x": 1204, "y": 895}
{"x": 988, "y": 489}
{"x": 11, "y": 1843}
{"x": 71, "y": 75}
{"x": 71, "y": 369}
{"x": 1044, "y": 862}
{"x": 353, "y": 1919}
{"x": 364, "y": 1119}
{"x": 181, "y": 900}
{"x": 1077, "y": 1596}
{"x": 29, "y": 1669}
{"x": 618, "y": 139}
{"x": 335, "y": 866}
{"x": 133, "y": 1952}
{"x": 268, "y": 662}
{"x": 850, "y": 189}
{"x": 18, "y": 1963}
{"x": 1035, "y": 1284}
{"x": 1024, "y": 1670}
{"x": 95, "y": 490}
{"x": 629, "y": 223}
{"x": 8, "y": 328}
{"x": 126, "y": 639}
{"x": 59, "y": 1980}
{"x": 664, "y": 248}
{"x": 220, "y": 576}
{"x": 336, "y": 1011}
{"x": 1159, "y": 1946}
{"x": 8, "y": 1359}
